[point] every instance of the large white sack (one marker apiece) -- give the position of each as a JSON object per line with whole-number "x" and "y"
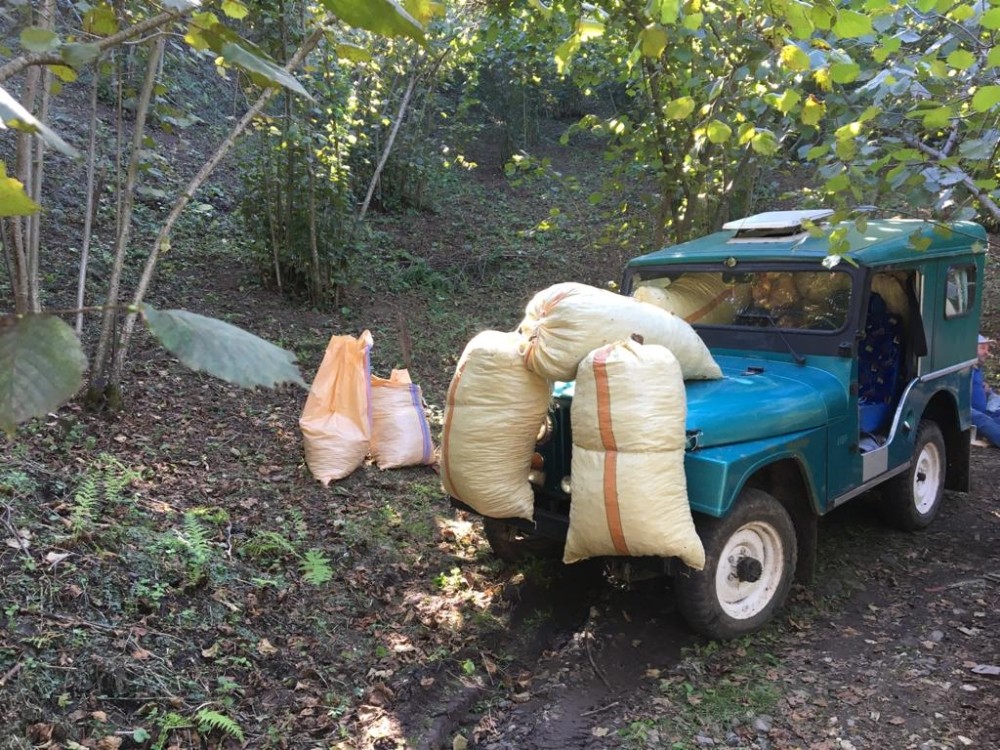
{"x": 698, "y": 298}
{"x": 629, "y": 487}
{"x": 493, "y": 414}
{"x": 565, "y": 322}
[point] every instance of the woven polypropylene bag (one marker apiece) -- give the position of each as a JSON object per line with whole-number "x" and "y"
{"x": 400, "y": 434}
{"x": 565, "y": 322}
{"x": 629, "y": 487}
{"x": 336, "y": 419}
{"x": 701, "y": 298}
{"x": 493, "y": 414}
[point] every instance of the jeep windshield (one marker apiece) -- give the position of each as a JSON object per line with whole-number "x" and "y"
{"x": 795, "y": 300}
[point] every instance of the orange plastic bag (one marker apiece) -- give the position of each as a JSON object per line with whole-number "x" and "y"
{"x": 400, "y": 434}
{"x": 336, "y": 421}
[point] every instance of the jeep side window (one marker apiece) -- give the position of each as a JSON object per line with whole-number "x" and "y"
{"x": 960, "y": 290}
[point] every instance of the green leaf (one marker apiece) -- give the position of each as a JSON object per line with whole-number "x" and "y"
{"x": 991, "y": 19}
{"x": 851, "y": 24}
{"x": 385, "y": 17}
{"x": 221, "y": 349}
{"x": 100, "y": 21}
{"x": 693, "y": 21}
{"x": 41, "y": 367}
{"x": 961, "y": 59}
{"x": 764, "y": 142}
{"x": 13, "y": 200}
{"x": 817, "y": 151}
{"x": 812, "y": 111}
{"x": 844, "y": 72}
{"x": 234, "y": 9}
{"x": 653, "y": 40}
{"x": 235, "y": 54}
{"x": 837, "y": 183}
{"x": 13, "y": 114}
{"x": 589, "y": 28}
{"x": 788, "y": 101}
{"x": 993, "y": 58}
{"x": 918, "y": 242}
{"x": 140, "y": 735}
{"x": 37, "y": 39}
{"x": 666, "y": 11}
{"x": 353, "y": 52}
{"x": 986, "y": 98}
{"x": 564, "y": 53}
{"x": 78, "y": 54}
{"x": 793, "y": 58}
{"x": 718, "y": 131}
{"x": 679, "y": 109}
{"x": 937, "y": 117}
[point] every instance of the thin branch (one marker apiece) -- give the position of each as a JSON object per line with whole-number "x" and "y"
{"x": 388, "y": 148}
{"x": 162, "y": 242}
{"x": 981, "y": 195}
{"x": 18, "y": 64}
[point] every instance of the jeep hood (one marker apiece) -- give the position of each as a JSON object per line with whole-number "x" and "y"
{"x": 759, "y": 398}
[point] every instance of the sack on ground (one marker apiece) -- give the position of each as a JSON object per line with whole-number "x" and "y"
{"x": 400, "y": 434}
{"x": 629, "y": 487}
{"x": 566, "y": 321}
{"x": 494, "y": 411}
{"x": 336, "y": 419}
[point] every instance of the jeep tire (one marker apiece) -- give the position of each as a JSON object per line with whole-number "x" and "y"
{"x": 750, "y": 557}
{"x": 514, "y": 545}
{"x": 912, "y": 499}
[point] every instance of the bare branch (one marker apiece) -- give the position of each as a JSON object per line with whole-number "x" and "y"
{"x": 980, "y": 194}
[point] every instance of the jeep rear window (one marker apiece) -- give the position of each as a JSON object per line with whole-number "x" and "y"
{"x": 794, "y": 300}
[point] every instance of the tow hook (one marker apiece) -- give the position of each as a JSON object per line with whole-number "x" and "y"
{"x": 749, "y": 570}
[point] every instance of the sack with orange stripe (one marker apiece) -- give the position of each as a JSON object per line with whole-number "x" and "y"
{"x": 493, "y": 414}
{"x": 566, "y": 321}
{"x": 629, "y": 487}
{"x": 701, "y": 298}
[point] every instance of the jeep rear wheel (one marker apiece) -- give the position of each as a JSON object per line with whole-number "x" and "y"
{"x": 512, "y": 544}
{"x": 750, "y": 557}
{"x": 912, "y": 499}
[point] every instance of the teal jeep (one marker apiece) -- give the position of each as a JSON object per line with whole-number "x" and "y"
{"x": 839, "y": 377}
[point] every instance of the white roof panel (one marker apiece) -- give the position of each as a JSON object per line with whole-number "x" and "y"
{"x": 777, "y": 219}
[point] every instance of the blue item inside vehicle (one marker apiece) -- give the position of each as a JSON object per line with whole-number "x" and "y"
{"x": 879, "y": 362}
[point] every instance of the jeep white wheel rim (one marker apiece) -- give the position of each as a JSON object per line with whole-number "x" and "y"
{"x": 927, "y": 479}
{"x": 742, "y": 599}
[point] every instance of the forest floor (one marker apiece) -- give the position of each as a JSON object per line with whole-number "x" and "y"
{"x": 159, "y": 583}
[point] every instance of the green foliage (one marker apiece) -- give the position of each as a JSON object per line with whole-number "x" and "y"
{"x": 222, "y": 349}
{"x": 196, "y": 547}
{"x": 209, "y": 720}
{"x": 316, "y": 568}
{"x": 41, "y": 365}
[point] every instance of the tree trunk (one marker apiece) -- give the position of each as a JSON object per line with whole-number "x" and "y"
{"x": 102, "y": 359}
{"x": 388, "y": 148}
{"x": 88, "y": 219}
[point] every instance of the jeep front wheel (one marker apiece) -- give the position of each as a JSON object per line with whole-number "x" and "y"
{"x": 912, "y": 499}
{"x": 750, "y": 557}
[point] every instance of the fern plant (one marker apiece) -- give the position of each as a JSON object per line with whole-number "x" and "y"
{"x": 195, "y": 541}
{"x": 168, "y": 724}
{"x": 85, "y": 501}
{"x": 316, "y": 568}
{"x": 214, "y": 721}
{"x": 268, "y": 545}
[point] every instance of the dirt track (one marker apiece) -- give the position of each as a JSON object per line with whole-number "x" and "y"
{"x": 881, "y": 651}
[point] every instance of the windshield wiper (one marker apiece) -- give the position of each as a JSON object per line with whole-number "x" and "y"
{"x": 798, "y": 358}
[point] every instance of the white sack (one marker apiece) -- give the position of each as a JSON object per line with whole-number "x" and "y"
{"x": 400, "y": 433}
{"x": 629, "y": 487}
{"x": 493, "y": 414}
{"x": 565, "y": 322}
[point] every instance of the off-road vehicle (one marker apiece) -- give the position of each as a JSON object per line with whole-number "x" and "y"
{"x": 842, "y": 373}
